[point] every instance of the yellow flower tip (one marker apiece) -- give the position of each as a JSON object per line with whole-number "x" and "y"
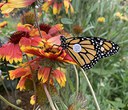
{"x": 72, "y": 9}
{"x": 55, "y": 11}
{"x": 18, "y": 101}
{"x": 3, "y": 24}
{"x": 66, "y": 4}
{"x": 101, "y": 20}
{"x": 20, "y": 87}
{"x": 5, "y": 9}
{"x": 45, "y": 7}
{"x": 33, "y": 100}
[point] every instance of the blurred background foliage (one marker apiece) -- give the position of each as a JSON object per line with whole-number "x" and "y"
{"x": 109, "y": 77}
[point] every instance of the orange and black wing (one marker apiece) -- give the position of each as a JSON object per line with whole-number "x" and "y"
{"x": 90, "y": 49}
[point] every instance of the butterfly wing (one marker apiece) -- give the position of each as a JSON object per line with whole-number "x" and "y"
{"x": 87, "y": 51}
{"x": 106, "y": 48}
{"x": 87, "y": 56}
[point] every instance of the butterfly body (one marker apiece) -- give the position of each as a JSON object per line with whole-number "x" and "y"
{"x": 86, "y": 51}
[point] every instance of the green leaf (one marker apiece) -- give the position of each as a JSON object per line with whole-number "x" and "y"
{"x": 66, "y": 21}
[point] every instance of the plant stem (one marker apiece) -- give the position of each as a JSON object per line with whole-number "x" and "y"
{"x": 4, "y": 87}
{"x": 10, "y": 104}
{"x": 6, "y": 67}
{"x": 33, "y": 80}
{"x": 77, "y": 80}
{"x": 92, "y": 91}
{"x": 49, "y": 98}
{"x": 36, "y": 20}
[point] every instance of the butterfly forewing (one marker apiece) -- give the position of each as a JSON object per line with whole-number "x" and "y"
{"x": 87, "y": 57}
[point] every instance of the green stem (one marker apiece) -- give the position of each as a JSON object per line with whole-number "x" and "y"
{"x": 6, "y": 67}
{"x": 92, "y": 91}
{"x": 10, "y": 104}
{"x": 33, "y": 81}
{"x": 4, "y": 86}
{"x": 49, "y": 98}
{"x": 77, "y": 80}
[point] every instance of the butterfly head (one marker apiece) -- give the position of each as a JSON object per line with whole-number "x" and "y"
{"x": 63, "y": 42}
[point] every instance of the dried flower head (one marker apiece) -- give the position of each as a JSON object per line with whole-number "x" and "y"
{"x": 28, "y": 18}
{"x": 77, "y": 29}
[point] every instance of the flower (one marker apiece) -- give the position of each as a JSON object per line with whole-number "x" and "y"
{"x": 49, "y": 51}
{"x": 47, "y": 61}
{"x": 124, "y": 18}
{"x": 18, "y": 101}
{"x": 68, "y": 5}
{"x": 11, "y": 4}
{"x": 28, "y": 18}
{"x": 45, "y": 72}
{"x": 101, "y": 20}
{"x": 3, "y": 24}
{"x": 11, "y": 50}
{"x": 47, "y": 58}
{"x": 23, "y": 74}
{"x": 57, "y": 6}
{"x": 118, "y": 14}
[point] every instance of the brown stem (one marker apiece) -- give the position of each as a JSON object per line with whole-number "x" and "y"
{"x": 36, "y": 20}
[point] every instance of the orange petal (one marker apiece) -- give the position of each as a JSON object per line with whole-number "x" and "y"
{"x": 60, "y": 77}
{"x": 11, "y": 52}
{"x": 56, "y": 29}
{"x": 66, "y": 5}
{"x": 5, "y": 9}
{"x": 25, "y": 27}
{"x": 71, "y": 9}
{"x": 43, "y": 73}
{"x": 54, "y": 40}
{"x": 17, "y": 73}
{"x": 21, "y": 3}
{"x": 21, "y": 84}
{"x": 46, "y": 6}
{"x": 55, "y": 8}
{"x": 59, "y": 8}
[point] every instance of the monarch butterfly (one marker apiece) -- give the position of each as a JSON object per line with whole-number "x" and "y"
{"x": 86, "y": 51}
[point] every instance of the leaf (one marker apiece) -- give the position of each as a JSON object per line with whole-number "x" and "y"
{"x": 66, "y": 21}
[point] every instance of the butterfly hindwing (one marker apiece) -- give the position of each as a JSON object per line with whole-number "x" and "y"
{"x": 86, "y": 51}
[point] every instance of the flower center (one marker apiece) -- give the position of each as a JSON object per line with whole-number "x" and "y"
{"x": 16, "y": 36}
{"x": 45, "y": 27}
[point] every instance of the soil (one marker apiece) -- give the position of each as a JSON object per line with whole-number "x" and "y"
{"x": 23, "y": 96}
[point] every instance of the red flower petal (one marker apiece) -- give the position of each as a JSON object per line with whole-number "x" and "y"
{"x": 60, "y": 77}
{"x": 43, "y": 73}
{"x": 11, "y": 52}
{"x": 17, "y": 73}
